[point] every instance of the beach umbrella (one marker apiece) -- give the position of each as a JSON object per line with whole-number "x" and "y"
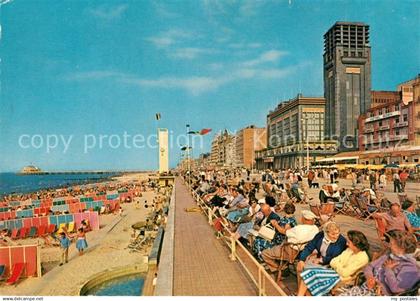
{"x": 360, "y": 166}
{"x": 375, "y": 167}
{"x": 392, "y": 165}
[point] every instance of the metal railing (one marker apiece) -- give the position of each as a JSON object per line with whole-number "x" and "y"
{"x": 234, "y": 245}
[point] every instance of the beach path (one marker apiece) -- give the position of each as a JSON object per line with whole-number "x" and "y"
{"x": 201, "y": 263}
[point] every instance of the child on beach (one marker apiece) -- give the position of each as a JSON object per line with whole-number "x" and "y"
{"x": 81, "y": 243}
{"x": 64, "y": 245}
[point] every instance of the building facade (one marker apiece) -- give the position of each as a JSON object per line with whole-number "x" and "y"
{"x": 394, "y": 124}
{"x": 223, "y": 150}
{"x": 295, "y": 131}
{"x": 347, "y": 80}
{"x": 249, "y": 140}
{"x": 379, "y": 98}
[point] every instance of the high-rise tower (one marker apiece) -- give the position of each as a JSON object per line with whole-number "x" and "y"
{"x": 347, "y": 80}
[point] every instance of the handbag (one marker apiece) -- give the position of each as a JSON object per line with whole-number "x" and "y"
{"x": 267, "y": 232}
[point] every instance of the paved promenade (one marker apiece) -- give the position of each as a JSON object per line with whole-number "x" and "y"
{"x": 201, "y": 263}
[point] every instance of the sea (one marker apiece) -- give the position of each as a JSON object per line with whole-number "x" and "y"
{"x": 15, "y": 183}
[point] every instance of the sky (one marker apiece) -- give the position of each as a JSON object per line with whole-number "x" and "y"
{"x": 82, "y": 74}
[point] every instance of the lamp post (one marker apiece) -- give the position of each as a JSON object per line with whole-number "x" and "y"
{"x": 188, "y": 154}
{"x": 307, "y": 140}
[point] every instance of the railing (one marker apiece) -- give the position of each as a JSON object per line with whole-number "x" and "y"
{"x": 164, "y": 283}
{"x": 262, "y": 277}
{"x": 402, "y": 124}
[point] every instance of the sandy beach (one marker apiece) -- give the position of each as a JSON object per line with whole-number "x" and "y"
{"x": 107, "y": 249}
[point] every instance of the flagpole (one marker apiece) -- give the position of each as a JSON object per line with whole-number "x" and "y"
{"x": 157, "y": 116}
{"x": 188, "y": 155}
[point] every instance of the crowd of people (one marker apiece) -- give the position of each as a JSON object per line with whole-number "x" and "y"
{"x": 260, "y": 211}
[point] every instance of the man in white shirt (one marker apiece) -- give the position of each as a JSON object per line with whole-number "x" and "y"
{"x": 296, "y": 239}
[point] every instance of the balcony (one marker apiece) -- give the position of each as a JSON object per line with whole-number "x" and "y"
{"x": 398, "y": 138}
{"x": 383, "y": 116}
{"x": 384, "y": 127}
{"x": 369, "y": 130}
{"x": 401, "y": 124}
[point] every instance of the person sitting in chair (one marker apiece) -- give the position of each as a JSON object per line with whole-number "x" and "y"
{"x": 322, "y": 248}
{"x": 392, "y": 273}
{"x": 320, "y": 280}
{"x": 297, "y": 235}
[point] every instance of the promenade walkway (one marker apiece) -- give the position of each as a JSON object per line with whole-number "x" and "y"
{"x": 201, "y": 263}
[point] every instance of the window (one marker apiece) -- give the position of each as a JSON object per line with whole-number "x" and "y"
{"x": 405, "y": 117}
{"x": 397, "y": 119}
{"x": 380, "y": 123}
{"x": 397, "y": 132}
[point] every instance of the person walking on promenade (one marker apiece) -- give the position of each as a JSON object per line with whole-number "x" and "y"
{"x": 64, "y": 245}
{"x": 403, "y": 179}
{"x": 81, "y": 243}
{"x": 382, "y": 181}
{"x": 397, "y": 182}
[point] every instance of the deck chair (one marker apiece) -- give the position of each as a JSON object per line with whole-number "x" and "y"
{"x": 288, "y": 259}
{"x": 17, "y": 272}
{"x": 71, "y": 227}
{"x": 42, "y": 230}
{"x": 51, "y": 229}
{"x": 33, "y": 232}
{"x": 15, "y": 233}
{"x": 380, "y": 226}
{"x": 2, "y": 271}
{"x": 364, "y": 209}
{"x": 355, "y": 280}
{"x": 23, "y": 233}
{"x": 61, "y": 228}
{"x": 324, "y": 212}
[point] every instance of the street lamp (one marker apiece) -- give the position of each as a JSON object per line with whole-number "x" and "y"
{"x": 307, "y": 139}
{"x": 188, "y": 154}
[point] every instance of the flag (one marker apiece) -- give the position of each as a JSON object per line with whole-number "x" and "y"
{"x": 205, "y": 131}
{"x": 185, "y": 148}
{"x": 202, "y": 132}
{"x": 157, "y": 116}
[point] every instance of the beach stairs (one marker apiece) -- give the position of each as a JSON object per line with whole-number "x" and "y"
{"x": 17, "y": 271}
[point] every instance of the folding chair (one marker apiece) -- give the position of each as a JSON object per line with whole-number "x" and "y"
{"x": 380, "y": 226}
{"x": 325, "y": 212}
{"x": 42, "y": 230}
{"x": 15, "y": 233}
{"x": 292, "y": 258}
{"x": 364, "y": 209}
{"x": 17, "y": 271}
{"x": 32, "y": 232}
{"x": 23, "y": 233}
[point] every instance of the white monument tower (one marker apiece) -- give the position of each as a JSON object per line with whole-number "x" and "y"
{"x": 163, "y": 150}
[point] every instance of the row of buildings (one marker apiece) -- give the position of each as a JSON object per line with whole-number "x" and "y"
{"x": 351, "y": 123}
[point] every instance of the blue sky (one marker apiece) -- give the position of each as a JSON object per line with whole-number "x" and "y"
{"x": 106, "y": 67}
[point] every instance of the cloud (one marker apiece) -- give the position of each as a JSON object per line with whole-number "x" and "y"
{"x": 191, "y": 52}
{"x": 107, "y": 12}
{"x": 4, "y": 2}
{"x": 168, "y": 38}
{"x": 266, "y": 57}
{"x": 195, "y": 85}
{"x": 244, "y": 45}
{"x": 162, "y": 10}
{"x": 93, "y": 75}
{"x": 249, "y": 8}
{"x": 199, "y": 84}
